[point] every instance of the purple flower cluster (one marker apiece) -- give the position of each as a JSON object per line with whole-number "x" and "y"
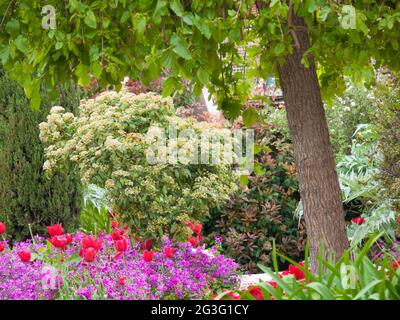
{"x": 192, "y": 273}
{"x": 382, "y": 248}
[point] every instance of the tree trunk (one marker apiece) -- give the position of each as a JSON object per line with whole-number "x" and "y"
{"x": 316, "y": 170}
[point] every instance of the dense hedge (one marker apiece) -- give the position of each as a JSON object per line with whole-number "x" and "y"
{"x": 27, "y": 196}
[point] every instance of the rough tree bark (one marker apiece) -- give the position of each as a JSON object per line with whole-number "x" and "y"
{"x": 316, "y": 170}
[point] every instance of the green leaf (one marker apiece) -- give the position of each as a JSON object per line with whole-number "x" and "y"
{"x": 273, "y": 3}
{"x": 168, "y": 58}
{"x": 82, "y": 73}
{"x": 368, "y": 287}
{"x": 140, "y": 25}
{"x": 96, "y": 69}
{"x": 311, "y": 5}
{"x": 12, "y": 27}
{"x": 180, "y": 47}
{"x": 22, "y": 44}
{"x": 125, "y": 16}
{"x": 90, "y": 19}
{"x": 202, "y": 26}
{"x": 324, "y": 13}
{"x": 250, "y": 117}
{"x": 230, "y": 108}
{"x": 159, "y": 11}
{"x": 322, "y": 290}
{"x": 244, "y": 180}
{"x": 169, "y": 86}
{"x": 279, "y": 49}
{"x": 177, "y": 8}
{"x": 4, "y": 54}
{"x": 259, "y": 170}
{"x": 203, "y": 76}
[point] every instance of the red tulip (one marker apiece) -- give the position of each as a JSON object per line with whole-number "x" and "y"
{"x": 233, "y": 295}
{"x": 117, "y": 234}
{"x": 2, "y": 228}
{"x": 121, "y": 281}
{"x": 194, "y": 241}
{"x": 395, "y": 264}
{"x": 25, "y": 256}
{"x": 148, "y": 244}
{"x": 273, "y": 283}
{"x": 55, "y": 230}
{"x": 197, "y": 228}
{"x": 61, "y": 242}
{"x": 358, "y": 220}
{"x": 294, "y": 270}
{"x": 284, "y": 273}
{"x": 148, "y": 255}
{"x": 169, "y": 252}
{"x": 121, "y": 245}
{"x": 256, "y": 293}
{"x": 89, "y": 254}
{"x": 2, "y": 246}
{"x": 114, "y": 224}
{"x": 91, "y": 242}
{"x": 189, "y": 224}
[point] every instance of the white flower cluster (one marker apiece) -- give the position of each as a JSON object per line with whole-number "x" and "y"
{"x": 108, "y": 143}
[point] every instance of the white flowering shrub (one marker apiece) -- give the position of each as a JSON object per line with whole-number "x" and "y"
{"x": 109, "y": 144}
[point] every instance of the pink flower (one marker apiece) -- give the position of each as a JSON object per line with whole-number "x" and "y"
{"x": 121, "y": 281}
{"x": 2, "y": 246}
{"x": 358, "y": 220}
{"x": 25, "y": 256}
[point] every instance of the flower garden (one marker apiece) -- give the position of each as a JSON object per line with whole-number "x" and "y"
{"x": 199, "y": 150}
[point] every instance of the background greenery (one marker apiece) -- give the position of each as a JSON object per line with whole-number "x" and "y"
{"x": 27, "y": 196}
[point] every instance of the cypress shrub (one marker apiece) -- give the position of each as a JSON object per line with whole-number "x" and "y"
{"x": 27, "y": 195}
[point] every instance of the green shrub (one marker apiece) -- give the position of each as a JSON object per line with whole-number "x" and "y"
{"x": 356, "y": 106}
{"x": 108, "y": 143}
{"x": 27, "y": 196}
{"x": 389, "y": 131}
{"x": 359, "y": 179}
{"x": 263, "y": 210}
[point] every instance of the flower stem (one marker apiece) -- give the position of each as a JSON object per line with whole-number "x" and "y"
{"x": 30, "y": 231}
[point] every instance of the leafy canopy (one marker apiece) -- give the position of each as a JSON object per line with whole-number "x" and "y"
{"x": 193, "y": 39}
